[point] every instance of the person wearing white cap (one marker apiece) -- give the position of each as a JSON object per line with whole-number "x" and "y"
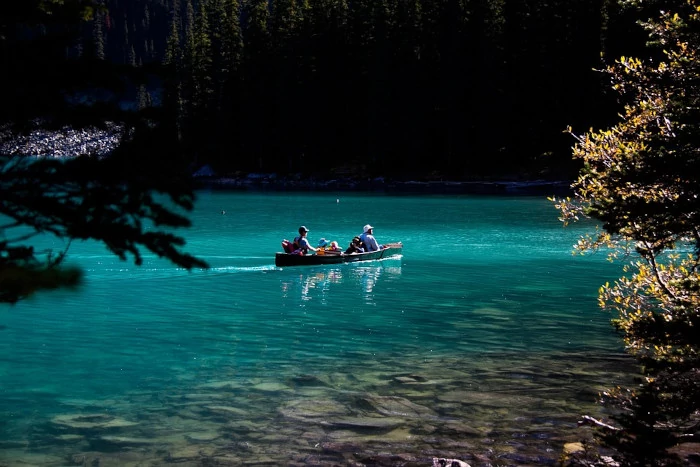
{"x": 302, "y": 241}
{"x": 368, "y": 239}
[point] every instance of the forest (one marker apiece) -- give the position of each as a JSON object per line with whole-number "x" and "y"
{"x": 459, "y": 89}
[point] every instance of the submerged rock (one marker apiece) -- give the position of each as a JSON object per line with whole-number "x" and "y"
{"x": 271, "y": 386}
{"x": 364, "y": 423}
{"x": 91, "y": 421}
{"x": 395, "y": 406}
{"x": 411, "y": 379}
{"x": 203, "y": 437}
{"x": 125, "y": 441}
{"x": 312, "y": 410}
{"x": 306, "y": 381}
{"x": 68, "y": 439}
{"x": 226, "y": 410}
{"x": 571, "y": 448}
{"x": 441, "y": 462}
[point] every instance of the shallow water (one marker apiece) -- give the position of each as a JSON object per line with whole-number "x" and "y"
{"x": 482, "y": 342}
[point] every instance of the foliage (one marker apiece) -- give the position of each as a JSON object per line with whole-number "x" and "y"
{"x": 640, "y": 180}
{"x": 129, "y": 200}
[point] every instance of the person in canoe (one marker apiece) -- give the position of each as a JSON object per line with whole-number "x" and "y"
{"x": 303, "y": 242}
{"x": 324, "y": 246}
{"x": 355, "y": 246}
{"x": 367, "y": 237}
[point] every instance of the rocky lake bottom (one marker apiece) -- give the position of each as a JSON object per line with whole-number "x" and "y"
{"x": 494, "y": 410}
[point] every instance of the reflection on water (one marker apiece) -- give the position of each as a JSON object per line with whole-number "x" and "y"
{"x": 318, "y": 282}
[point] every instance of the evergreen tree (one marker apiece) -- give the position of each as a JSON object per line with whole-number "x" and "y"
{"x": 173, "y": 61}
{"x": 98, "y": 37}
{"x": 126, "y": 43}
{"x": 258, "y": 102}
{"x": 407, "y": 124}
{"x": 186, "y": 79}
{"x": 201, "y": 61}
{"x": 227, "y": 49}
{"x": 143, "y": 97}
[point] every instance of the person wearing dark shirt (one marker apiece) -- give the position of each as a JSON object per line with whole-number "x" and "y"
{"x": 302, "y": 241}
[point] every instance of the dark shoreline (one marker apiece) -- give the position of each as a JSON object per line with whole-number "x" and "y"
{"x": 68, "y": 142}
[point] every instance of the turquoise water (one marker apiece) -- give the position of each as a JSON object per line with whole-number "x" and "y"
{"x": 482, "y": 342}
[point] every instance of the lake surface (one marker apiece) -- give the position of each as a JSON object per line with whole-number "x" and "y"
{"x": 482, "y": 342}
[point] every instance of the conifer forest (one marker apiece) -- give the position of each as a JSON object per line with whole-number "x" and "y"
{"x": 457, "y": 88}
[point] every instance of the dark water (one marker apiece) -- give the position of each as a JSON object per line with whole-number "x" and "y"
{"x": 483, "y": 342}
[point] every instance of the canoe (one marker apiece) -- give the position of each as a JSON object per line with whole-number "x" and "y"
{"x": 288, "y": 259}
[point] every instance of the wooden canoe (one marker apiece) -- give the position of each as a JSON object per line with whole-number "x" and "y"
{"x": 288, "y": 259}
